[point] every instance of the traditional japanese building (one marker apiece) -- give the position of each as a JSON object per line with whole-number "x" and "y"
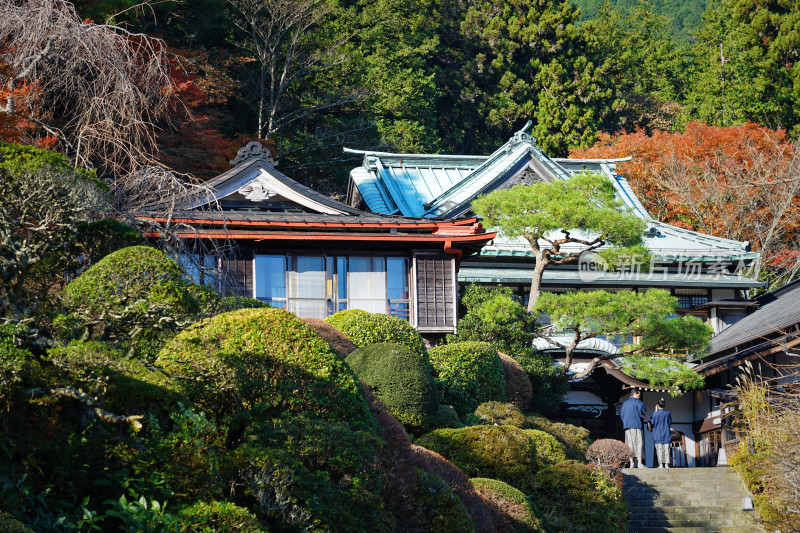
{"x": 302, "y": 251}
{"x": 702, "y": 271}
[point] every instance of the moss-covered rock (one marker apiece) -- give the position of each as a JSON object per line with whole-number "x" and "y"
{"x": 365, "y": 328}
{"x": 575, "y": 439}
{"x": 400, "y": 379}
{"x": 219, "y": 517}
{"x": 335, "y": 338}
{"x": 575, "y": 497}
{"x": 512, "y": 503}
{"x": 499, "y": 414}
{"x": 519, "y": 390}
{"x": 506, "y": 453}
{"x": 263, "y": 359}
{"x": 444, "y": 510}
{"x": 468, "y": 374}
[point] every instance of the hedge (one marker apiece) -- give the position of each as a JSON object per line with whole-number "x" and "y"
{"x": 264, "y": 359}
{"x": 399, "y": 379}
{"x": 443, "y": 509}
{"x": 364, "y": 328}
{"x": 468, "y": 374}
{"x": 506, "y": 453}
{"x": 219, "y": 517}
{"x": 519, "y": 390}
{"x": 576, "y": 497}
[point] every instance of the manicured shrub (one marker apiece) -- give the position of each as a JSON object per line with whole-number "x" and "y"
{"x": 400, "y": 380}
{"x": 365, "y": 328}
{"x": 548, "y": 382}
{"x": 510, "y": 502}
{"x": 519, "y": 390}
{"x": 468, "y": 374}
{"x": 308, "y": 474}
{"x": 575, "y": 439}
{"x": 576, "y": 497}
{"x": 499, "y": 414}
{"x": 506, "y": 453}
{"x": 138, "y": 296}
{"x": 264, "y": 359}
{"x": 444, "y": 510}
{"x": 610, "y": 455}
{"x": 337, "y": 340}
{"x": 446, "y": 417}
{"x": 219, "y": 517}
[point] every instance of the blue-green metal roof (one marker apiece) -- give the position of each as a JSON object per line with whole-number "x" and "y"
{"x": 443, "y": 186}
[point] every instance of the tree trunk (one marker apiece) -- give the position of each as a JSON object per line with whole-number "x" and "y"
{"x": 536, "y": 283}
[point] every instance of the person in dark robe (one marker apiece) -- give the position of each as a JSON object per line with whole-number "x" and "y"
{"x": 662, "y": 435}
{"x": 632, "y": 413}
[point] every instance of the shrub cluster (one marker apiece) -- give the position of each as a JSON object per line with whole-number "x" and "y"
{"x": 263, "y": 359}
{"x": 506, "y": 453}
{"x": 575, "y": 439}
{"x": 548, "y": 381}
{"x": 400, "y": 379}
{"x": 365, "y": 328}
{"x": 499, "y": 414}
{"x": 468, "y": 374}
{"x": 576, "y": 497}
{"x": 610, "y": 455}
{"x": 444, "y": 510}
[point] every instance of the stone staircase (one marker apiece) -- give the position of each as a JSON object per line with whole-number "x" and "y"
{"x": 687, "y": 500}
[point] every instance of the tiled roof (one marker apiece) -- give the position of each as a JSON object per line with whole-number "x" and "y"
{"x": 780, "y": 312}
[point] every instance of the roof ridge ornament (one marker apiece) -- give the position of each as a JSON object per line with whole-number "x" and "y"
{"x": 254, "y": 149}
{"x": 522, "y": 136}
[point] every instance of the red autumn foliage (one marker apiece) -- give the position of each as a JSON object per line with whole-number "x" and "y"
{"x": 737, "y": 182}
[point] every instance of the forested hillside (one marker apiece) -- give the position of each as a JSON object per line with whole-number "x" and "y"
{"x": 685, "y": 15}
{"x": 435, "y": 76}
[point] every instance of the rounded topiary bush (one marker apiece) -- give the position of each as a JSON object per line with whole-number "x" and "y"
{"x": 575, "y": 497}
{"x": 511, "y": 503}
{"x": 468, "y": 374}
{"x": 266, "y": 359}
{"x": 400, "y": 379}
{"x": 365, "y": 328}
{"x": 130, "y": 281}
{"x": 446, "y": 417}
{"x": 506, "y": 453}
{"x": 519, "y": 390}
{"x": 337, "y": 340}
{"x": 219, "y": 517}
{"x": 499, "y": 414}
{"x": 609, "y": 454}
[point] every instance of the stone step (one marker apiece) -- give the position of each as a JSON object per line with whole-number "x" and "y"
{"x": 731, "y": 529}
{"x": 679, "y": 509}
{"x": 677, "y": 519}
